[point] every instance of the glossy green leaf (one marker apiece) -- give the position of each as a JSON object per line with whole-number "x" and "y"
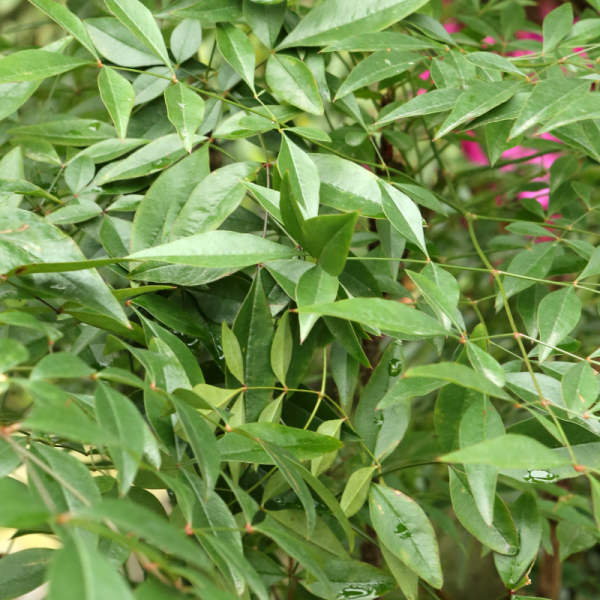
{"x": 304, "y": 177}
{"x": 479, "y": 423}
{"x": 254, "y": 329}
{"x": 557, "y": 25}
{"x": 302, "y": 444}
{"x": 282, "y": 348}
{"x": 528, "y": 521}
{"x": 291, "y": 80}
{"x": 380, "y": 65}
{"x": 186, "y": 39}
{"x": 382, "y": 314}
{"x": 433, "y": 102}
{"x": 579, "y": 387}
{"x": 79, "y": 571}
{"x": 494, "y": 62}
{"x": 232, "y": 352}
{"x": 238, "y": 51}
{"x": 476, "y": 101}
{"x": 404, "y": 215}
{"x": 512, "y": 451}
{"x": 213, "y": 200}
{"x": 356, "y": 490}
{"x": 265, "y": 20}
{"x": 217, "y": 249}
{"x": 558, "y": 314}
{"x": 139, "y": 20}
{"x": 502, "y": 536}
{"x": 163, "y": 201}
{"x": 485, "y": 364}
{"x": 24, "y": 571}
{"x": 186, "y": 111}
{"x": 29, "y": 65}
{"x": 118, "y": 97}
{"x": 211, "y": 10}
{"x": 405, "y": 530}
{"x": 340, "y": 19}
{"x": 548, "y": 97}
{"x": 459, "y": 375}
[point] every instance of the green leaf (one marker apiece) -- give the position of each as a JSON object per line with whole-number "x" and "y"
{"x": 118, "y": 45}
{"x": 232, "y": 352}
{"x": 378, "y": 66}
{"x": 328, "y": 239}
{"x": 459, "y": 375}
{"x": 356, "y": 490}
{"x": 214, "y": 11}
{"x": 213, "y": 200}
{"x": 405, "y": 389}
{"x": 478, "y": 100}
{"x": 432, "y": 102}
{"x": 579, "y": 387}
{"x": 479, "y": 423}
{"x": 511, "y": 451}
{"x": 186, "y": 39}
{"x": 11, "y": 167}
{"x": 117, "y": 415}
{"x": 18, "y": 508}
{"x": 118, "y": 97}
{"x": 304, "y": 177}
{"x": 339, "y": 19}
{"x": 253, "y": 327}
{"x": 485, "y": 364}
{"x": 137, "y": 519}
{"x": 333, "y": 429}
{"x": 282, "y": 348}
{"x": 558, "y": 314}
{"x": 80, "y": 572}
{"x": 74, "y": 213}
{"x": 548, "y": 98}
{"x": 79, "y": 172}
{"x": 238, "y": 51}
{"x": 404, "y": 215}
{"x": 217, "y": 249}
{"x": 11, "y": 187}
{"x": 502, "y": 536}
{"x": 407, "y": 579}
{"x": 61, "y": 365}
{"x": 186, "y": 111}
{"x": 291, "y": 80}
{"x": 163, "y": 201}
{"x": 534, "y": 262}
{"x": 439, "y": 299}
{"x": 24, "y": 571}
{"x": 68, "y": 132}
{"x": 314, "y": 286}
{"x": 382, "y": 314}
{"x": 405, "y": 530}
{"x": 84, "y": 287}
{"x": 299, "y": 549}
{"x": 67, "y": 20}
{"x": 265, "y": 20}
{"x": 347, "y": 186}
{"x": 371, "y": 42}
{"x": 383, "y": 431}
{"x": 203, "y": 443}
{"x": 557, "y": 24}
{"x": 12, "y": 353}
{"x": 154, "y": 157}
{"x": 300, "y": 443}
{"x": 493, "y": 62}
{"x": 139, "y": 20}
{"x": 29, "y": 65}
{"x": 529, "y": 529}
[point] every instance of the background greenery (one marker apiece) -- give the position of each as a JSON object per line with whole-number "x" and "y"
{"x": 299, "y": 299}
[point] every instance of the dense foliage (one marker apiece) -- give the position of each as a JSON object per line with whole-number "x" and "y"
{"x": 299, "y": 299}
